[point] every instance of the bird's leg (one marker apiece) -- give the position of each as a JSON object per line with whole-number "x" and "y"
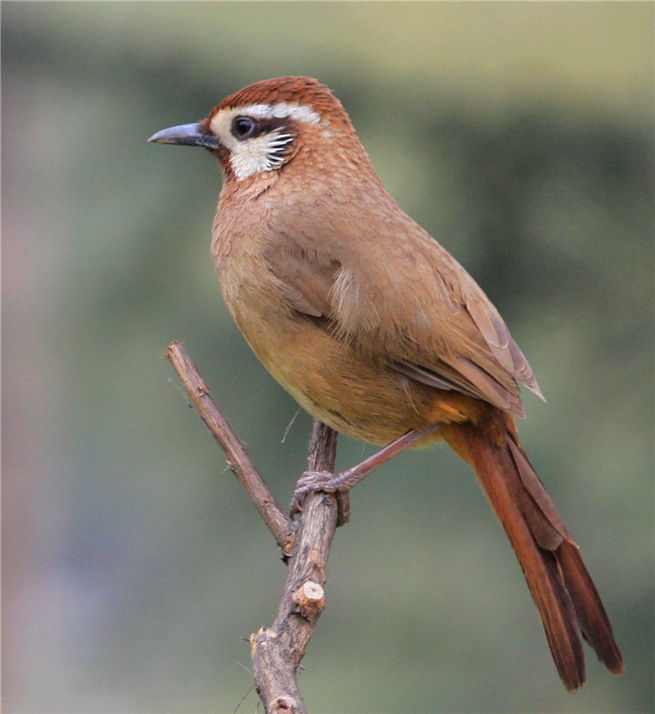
{"x": 344, "y": 481}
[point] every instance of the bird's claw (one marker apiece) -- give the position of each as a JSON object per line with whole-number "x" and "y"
{"x": 316, "y": 481}
{"x": 312, "y": 481}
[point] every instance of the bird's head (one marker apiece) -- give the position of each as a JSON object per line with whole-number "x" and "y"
{"x": 261, "y": 128}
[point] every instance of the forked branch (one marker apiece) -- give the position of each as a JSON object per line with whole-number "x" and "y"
{"x": 278, "y": 650}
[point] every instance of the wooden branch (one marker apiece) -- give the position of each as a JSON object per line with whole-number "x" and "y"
{"x": 236, "y": 455}
{"x": 278, "y": 650}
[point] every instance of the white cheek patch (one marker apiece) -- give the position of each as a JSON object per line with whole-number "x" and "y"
{"x": 264, "y": 152}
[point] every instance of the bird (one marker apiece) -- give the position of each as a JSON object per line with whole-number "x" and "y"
{"x": 376, "y": 330}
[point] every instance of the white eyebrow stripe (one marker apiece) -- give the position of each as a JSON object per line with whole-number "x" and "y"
{"x": 282, "y": 110}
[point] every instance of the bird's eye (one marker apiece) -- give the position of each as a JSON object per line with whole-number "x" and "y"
{"x": 243, "y": 127}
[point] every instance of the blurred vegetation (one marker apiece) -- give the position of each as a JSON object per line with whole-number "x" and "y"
{"x": 518, "y": 134}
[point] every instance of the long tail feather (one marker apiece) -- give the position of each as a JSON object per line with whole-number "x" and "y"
{"x": 594, "y": 623}
{"x": 565, "y": 596}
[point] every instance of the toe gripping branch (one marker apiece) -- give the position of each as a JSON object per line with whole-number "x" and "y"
{"x": 344, "y": 481}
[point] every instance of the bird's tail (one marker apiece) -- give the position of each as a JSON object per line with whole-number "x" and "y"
{"x": 561, "y": 587}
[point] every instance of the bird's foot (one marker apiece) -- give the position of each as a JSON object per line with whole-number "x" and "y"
{"x": 318, "y": 481}
{"x": 342, "y": 482}
{"x": 328, "y": 483}
{"x": 314, "y": 481}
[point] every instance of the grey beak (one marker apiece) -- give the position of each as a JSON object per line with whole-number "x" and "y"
{"x": 186, "y": 135}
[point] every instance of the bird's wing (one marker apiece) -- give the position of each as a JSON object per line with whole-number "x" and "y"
{"x": 418, "y": 311}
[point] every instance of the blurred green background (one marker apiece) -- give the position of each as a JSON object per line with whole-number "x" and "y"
{"x": 134, "y": 566}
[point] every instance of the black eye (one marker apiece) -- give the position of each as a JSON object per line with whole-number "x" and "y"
{"x": 243, "y": 127}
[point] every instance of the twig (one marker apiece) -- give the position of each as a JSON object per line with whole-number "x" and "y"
{"x": 237, "y": 457}
{"x": 278, "y": 650}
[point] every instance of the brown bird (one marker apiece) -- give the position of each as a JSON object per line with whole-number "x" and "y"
{"x": 376, "y": 330}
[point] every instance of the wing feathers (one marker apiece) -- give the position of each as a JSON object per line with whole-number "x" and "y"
{"x": 421, "y": 313}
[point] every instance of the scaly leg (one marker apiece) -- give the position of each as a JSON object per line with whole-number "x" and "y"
{"x": 344, "y": 481}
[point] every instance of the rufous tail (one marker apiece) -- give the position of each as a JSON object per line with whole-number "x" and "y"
{"x": 561, "y": 587}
